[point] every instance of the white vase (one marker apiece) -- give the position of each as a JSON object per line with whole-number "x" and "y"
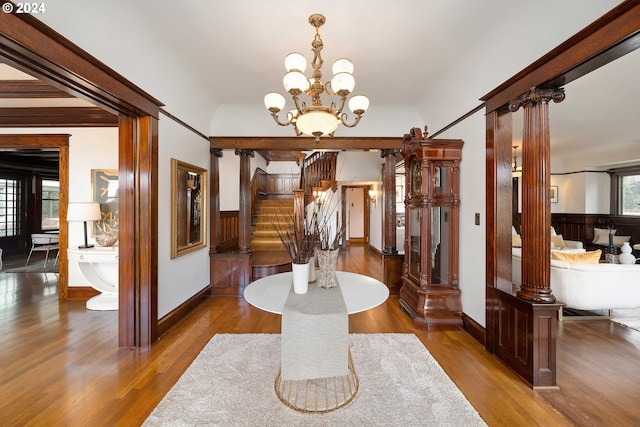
{"x": 625, "y": 256}
{"x": 300, "y": 278}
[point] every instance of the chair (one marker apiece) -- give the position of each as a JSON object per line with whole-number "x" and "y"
{"x": 44, "y": 243}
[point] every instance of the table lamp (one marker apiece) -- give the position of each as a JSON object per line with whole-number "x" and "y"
{"x": 83, "y": 211}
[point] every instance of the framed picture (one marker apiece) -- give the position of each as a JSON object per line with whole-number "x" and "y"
{"x": 553, "y": 193}
{"x": 104, "y": 184}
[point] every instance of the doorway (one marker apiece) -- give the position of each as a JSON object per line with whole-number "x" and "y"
{"x": 355, "y": 211}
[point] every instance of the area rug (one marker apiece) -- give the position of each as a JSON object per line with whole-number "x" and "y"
{"x": 231, "y": 383}
{"x": 629, "y": 318}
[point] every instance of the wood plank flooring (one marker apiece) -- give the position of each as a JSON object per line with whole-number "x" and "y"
{"x": 60, "y": 364}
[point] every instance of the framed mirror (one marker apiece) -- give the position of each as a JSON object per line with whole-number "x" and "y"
{"x": 188, "y": 208}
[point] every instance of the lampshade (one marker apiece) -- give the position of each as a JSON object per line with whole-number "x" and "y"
{"x": 343, "y": 81}
{"x": 295, "y": 62}
{"x": 317, "y": 122}
{"x": 83, "y": 211}
{"x": 274, "y": 100}
{"x": 342, "y": 65}
{"x": 359, "y": 104}
{"x": 296, "y": 81}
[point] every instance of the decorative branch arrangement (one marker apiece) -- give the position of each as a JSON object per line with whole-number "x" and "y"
{"x": 299, "y": 240}
{"x": 329, "y": 234}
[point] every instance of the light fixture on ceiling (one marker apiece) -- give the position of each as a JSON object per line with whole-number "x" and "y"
{"x": 316, "y": 120}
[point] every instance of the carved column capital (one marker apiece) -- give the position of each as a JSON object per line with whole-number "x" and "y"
{"x": 216, "y": 152}
{"x": 244, "y": 152}
{"x": 389, "y": 152}
{"x": 535, "y": 95}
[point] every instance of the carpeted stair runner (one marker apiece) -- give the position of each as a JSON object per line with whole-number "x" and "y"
{"x": 265, "y": 236}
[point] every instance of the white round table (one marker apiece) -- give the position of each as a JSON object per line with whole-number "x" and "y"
{"x": 360, "y": 292}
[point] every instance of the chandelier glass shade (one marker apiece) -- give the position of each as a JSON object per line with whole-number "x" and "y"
{"x": 316, "y": 119}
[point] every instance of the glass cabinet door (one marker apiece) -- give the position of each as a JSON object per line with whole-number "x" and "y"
{"x": 440, "y": 244}
{"x": 414, "y": 242}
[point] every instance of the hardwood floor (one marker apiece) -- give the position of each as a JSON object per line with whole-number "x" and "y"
{"x": 60, "y": 364}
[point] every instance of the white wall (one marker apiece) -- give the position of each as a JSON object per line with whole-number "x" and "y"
{"x": 182, "y": 277}
{"x": 472, "y": 201}
{"x": 584, "y": 192}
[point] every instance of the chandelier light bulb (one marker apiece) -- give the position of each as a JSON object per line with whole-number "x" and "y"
{"x": 359, "y": 104}
{"x": 342, "y": 65}
{"x": 343, "y": 82}
{"x": 295, "y": 62}
{"x": 295, "y": 80}
{"x": 274, "y": 101}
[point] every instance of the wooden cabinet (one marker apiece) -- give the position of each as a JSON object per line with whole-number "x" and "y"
{"x": 430, "y": 292}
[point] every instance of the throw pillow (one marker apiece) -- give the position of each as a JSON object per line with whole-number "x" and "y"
{"x": 516, "y": 241}
{"x": 592, "y": 257}
{"x": 557, "y": 241}
{"x": 601, "y": 236}
{"x": 619, "y": 240}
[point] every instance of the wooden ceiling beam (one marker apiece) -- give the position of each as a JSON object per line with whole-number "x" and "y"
{"x": 56, "y": 117}
{"x": 30, "y": 89}
{"x": 305, "y": 143}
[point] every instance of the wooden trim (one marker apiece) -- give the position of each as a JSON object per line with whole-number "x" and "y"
{"x": 31, "y": 89}
{"x": 305, "y": 143}
{"x": 56, "y": 117}
{"x": 473, "y": 328}
{"x": 30, "y": 46}
{"x": 180, "y": 312}
{"x": 375, "y": 251}
{"x": 80, "y": 292}
{"x": 183, "y": 124}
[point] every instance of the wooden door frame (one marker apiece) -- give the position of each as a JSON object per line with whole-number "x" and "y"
{"x": 367, "y": 232}
{"x": 30, "y": 46}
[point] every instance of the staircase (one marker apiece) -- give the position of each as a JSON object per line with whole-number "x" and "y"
{"x": 265, "y": 236}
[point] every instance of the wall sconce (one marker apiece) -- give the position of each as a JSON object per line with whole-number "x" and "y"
{"x": 319, "y": 196}
{"x": 372, "y": 196}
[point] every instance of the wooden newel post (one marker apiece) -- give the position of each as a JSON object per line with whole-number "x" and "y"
{"x": 536, "y": 204}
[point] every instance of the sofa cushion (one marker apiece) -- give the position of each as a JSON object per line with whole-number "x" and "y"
{"x": 557, "y": 241}
{"x": 516, "y": 241}
{"x": 619, "y": 240}
{"x": 601, "y": 236}
{"x": 590, "y": 257}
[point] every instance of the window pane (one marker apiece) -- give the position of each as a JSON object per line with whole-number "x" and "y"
{"x": 9, "y": 207}
{"x": 630, "y": 195}
{"x": 50, "y": 205}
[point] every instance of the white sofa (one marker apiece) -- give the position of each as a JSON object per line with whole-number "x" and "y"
{"x": 589, "y": 286}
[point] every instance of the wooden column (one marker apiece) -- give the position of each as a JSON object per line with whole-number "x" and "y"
{"x": 389, "y": 181}
{"x": 244, "y": 210}
{"x": 214, "y": 184}
{"x": 536, "y": 205}
{"x": 391, "y": 259}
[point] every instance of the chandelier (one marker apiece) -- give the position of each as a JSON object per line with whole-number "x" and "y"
{"x": 316, "y": 119}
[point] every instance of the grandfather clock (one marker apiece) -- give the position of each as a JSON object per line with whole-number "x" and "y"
{"x": 430, "y": 293}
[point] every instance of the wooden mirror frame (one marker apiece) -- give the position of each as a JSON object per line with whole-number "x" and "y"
{"x": 182, "y": 204}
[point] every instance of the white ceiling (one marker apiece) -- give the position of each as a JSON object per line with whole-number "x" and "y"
{"x": 435, "y": 57}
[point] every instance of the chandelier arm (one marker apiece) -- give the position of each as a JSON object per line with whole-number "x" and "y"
{"x": 343, "y": 117}
{"x": 274, "y": 114}
{"x": 300, "y": 105}
{"x": 339, "y": 110}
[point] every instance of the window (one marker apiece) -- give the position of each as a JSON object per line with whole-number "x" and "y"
{"x": 630, "y": 195}
{"x": 9, "y": 207}
{"x": 50, "y": 205}
{"x": 626, "y": 190}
